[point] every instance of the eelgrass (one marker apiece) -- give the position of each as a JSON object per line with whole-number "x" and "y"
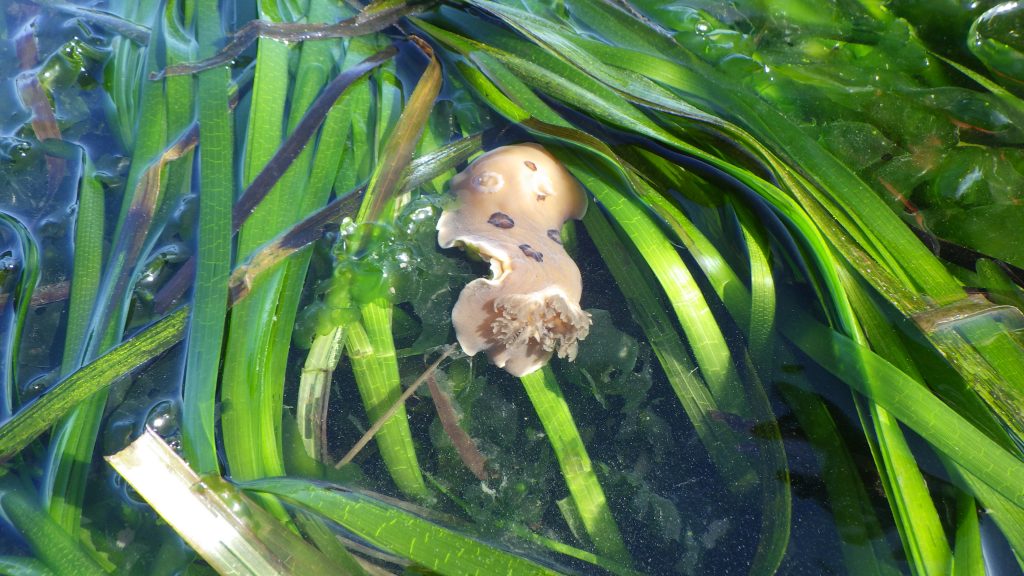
{"x": 48, "y": 541}
{"x": 400, "y": 532}
{"x": 19, "y": 277}
{"x": 577, "y": 469}
{"x": 206, "y": 327}
{"x": 252, "y": 397}
{"x": 715, "y": 204}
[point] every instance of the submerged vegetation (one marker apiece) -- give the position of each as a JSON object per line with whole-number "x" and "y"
{"x": 226, "y": 328}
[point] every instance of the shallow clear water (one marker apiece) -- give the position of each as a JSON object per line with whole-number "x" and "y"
{"x": 676, "y": 513}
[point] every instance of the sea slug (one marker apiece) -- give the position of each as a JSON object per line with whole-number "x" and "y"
{"x": 510, "y": 205}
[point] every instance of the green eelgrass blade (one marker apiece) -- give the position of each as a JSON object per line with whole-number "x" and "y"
{"x": 859, "y": 530}
{"x": 314, "y": 387}
{"x": 251, "y": 433}
{"x": 327, "y": 541}
{"x": 1014, "y": 105}
{"x": 660, "y": 331}
{"x": 21, "y": 290}
{"x": 88, "y": 261}
{"x": 126, "y": 70}
{"x": 71, "y": 447}
{"x": 998, "y": 285}
{"x": 731, "y": 396}
{"x": 315, "y": 63}
{"x": 611, "y": 566}
{"x": 967, "y": 554}
{"x": 721, "y": 442}
{"x": 230, "y": 532}
{"x": 699, "y": 403}
{"x": 579, "y": 474}
{"x": 206, "y": 328}
{"x": 979, "y": 339}
{"x": 317, "y": 174}
{"x": 761, "y": 326}
{"x": 58, "y": 550}
{"x": 838, "y": 183}
{"x": 402, "y": 533}
{"x": 911, "y": 403}
{"x": 34, "y": 419}
{"x": 314, "y": 384}
{"x": 1007, "y": 515}
{"x": 371, "y": 350}
{"x": 401, "y": 143}
{"x": 180, "y": 46}
{"x": 369, "y": 341}
{"x": 916, "y": 516}
{"x": 23, "y": 566}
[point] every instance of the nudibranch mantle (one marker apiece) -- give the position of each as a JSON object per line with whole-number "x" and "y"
{"x": 510, "y": 205}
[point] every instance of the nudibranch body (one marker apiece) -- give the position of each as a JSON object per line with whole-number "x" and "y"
{"x": 510, "y": 206}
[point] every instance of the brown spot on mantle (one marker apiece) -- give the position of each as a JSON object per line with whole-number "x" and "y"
{"x": 501, "y": 220}
{"x": 531, "y": 253}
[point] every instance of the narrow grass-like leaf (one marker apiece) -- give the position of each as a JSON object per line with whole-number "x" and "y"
{"x": 872, "y": 216}
{"x": 858, "y": 526}
{"x": 206, "y": 328}
{"x": 327, "y": 541}
{"x": 371, "y": 349}
{"x": 285, "y": 245}
{"x": 587, "y": 494}
{"x": 179, "y": 46}
{"x": 26, "y": 267}
{"x": 915, "y": 513}
{"x": 230, "y": 532}
{"x": 911, "y": 403}
{"x": 369, "y": 341}
{"x": 997, "y": 283}
{"x": 73, "y": 442}
{"x": 343, "y": 172}
{"x": 967, "y": 553}
{"x": 649, "y": 310}
{"x": 698, "y": 322}
{"x": 35, "y": 418}
{"x": 1014, "y": 105}
{"x": 298, "y": 139}
{"x": 761, "y": 325}
{"x": 316, "y": 61}
{"x": 401, "y": 143}
{"x": 59, "y": 551}
{"x": 314, "y": 385}
{"x": 251, "y": 436}
{"x": 610, "y": 565}
{"x": 1007, "y": 515}
{"x": 23, "y": 566}
{"x": 85, "y": 277}
{"x": 404, "y": 534}
{"x": 980, "y": 337}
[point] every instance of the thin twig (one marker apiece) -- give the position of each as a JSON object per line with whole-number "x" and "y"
{"x": 448, "y": 350}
